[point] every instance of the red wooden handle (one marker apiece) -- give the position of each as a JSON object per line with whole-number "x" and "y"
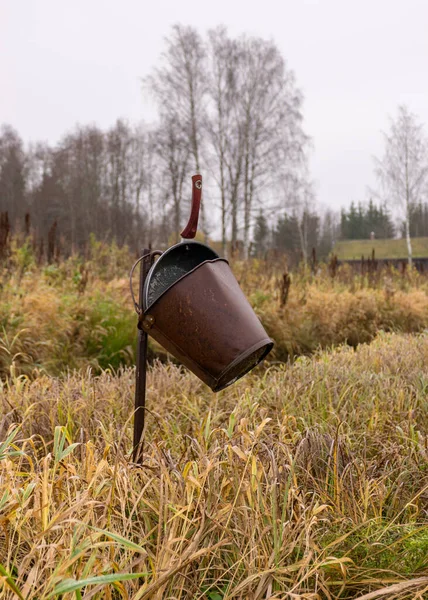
{"x": 189, "y": 231}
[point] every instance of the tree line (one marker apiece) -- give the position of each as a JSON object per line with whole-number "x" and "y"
{"x": 231, "y": 109}
{"x": 107, "y": 183}
{"x": 300, "y": 237}
{"x": 361, "y": 222}
{"x": 227, "y": 107}
{"x": 90, "y": 182}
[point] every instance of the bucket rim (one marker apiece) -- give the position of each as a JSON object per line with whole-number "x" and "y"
{"x": 167, "y": 252}
{"x": 267, "y": 342}
{"x": 147, "y": 307}
{"x": 180, "y": 245}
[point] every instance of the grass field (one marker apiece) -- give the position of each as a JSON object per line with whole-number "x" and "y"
{"x": 306, "y": 479}
{"x": 301, "y": 481}
{"x": 393, "y": 249}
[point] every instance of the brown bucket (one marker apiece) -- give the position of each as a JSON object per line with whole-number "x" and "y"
{"x": 194, "y": 307}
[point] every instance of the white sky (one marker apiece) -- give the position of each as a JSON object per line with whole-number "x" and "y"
{"x": 68, "y": 61}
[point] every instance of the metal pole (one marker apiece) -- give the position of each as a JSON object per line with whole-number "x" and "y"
{"x": 141, "y": 368}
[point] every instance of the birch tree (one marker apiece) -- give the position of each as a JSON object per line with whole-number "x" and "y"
{"x": 271, "y": 119}
{"x": 299, "y": 201}
{"x": 174, "y": 157}
{"x": 402, "y": 172}
{"x": 221, "y": 128}
{"x": 254, "y": 126}
{"x": 179, "y": 87}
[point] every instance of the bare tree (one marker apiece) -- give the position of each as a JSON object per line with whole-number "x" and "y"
{"x": 254, "y": 126}
{"x": 330, "y": 232}
{"x": 88, "y": 184}
{"x": 151, "y": 189}
{"x": 93, "y": 161}
{"x": 402, "y": 172}
{"x": 80, "y": 166}
{"x": 174, "y": 157}
{"x": 230, "y": 106}
{"x": 179, "y": 86}
{"x": 271, "y": 119}
{"x": 138, "y": 172}
{"x": 298, "y": 199}
{"x": 223, "y": 63}
{"x": 119, "y": 142}
{"x": 12, "y": 174}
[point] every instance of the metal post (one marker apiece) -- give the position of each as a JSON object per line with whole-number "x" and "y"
{"x": 141, "y": 368}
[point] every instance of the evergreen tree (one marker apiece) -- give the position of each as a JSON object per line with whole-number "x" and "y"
{"x": 359, "y": 222}
{"x": 418, "y": 221}
{"x": 384, "y": 227}
{"x": 261, "y": 236}
{"x": 286, "y": 235}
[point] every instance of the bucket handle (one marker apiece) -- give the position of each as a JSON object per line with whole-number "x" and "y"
{"x": 131, "y": 273}
{"x": 189, "y": 231}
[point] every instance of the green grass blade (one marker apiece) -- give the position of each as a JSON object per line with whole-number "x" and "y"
{"x": 4, "y": 445}
{"x": 71, "y": 585}
{"x": 10, "y": 582}
{"x": 121, "y": 540}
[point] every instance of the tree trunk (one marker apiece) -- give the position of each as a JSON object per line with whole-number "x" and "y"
{"x": 177, "y": 221}
{"x": 234, "y": 232}
{"x": 223, "y": 220}
{"x": 302, "y": 236}
{"x": 408, "y": 240}
{"x": 246, "y": 200}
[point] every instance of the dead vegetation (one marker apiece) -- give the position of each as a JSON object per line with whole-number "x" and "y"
{"x": 77, "y": 312}
{"x": 306, "y": 481}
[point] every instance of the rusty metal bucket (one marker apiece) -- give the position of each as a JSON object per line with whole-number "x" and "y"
{"x": 193, "y": 306}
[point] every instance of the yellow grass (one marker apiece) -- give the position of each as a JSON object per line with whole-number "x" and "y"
{"x": 301, "y": 481}
{"x": 51, "y": 322}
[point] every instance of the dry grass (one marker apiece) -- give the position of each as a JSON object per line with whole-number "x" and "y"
{"x": 301, "y": 481}
{"x": 79, "y": 313}
{"x": 49, "y": 322}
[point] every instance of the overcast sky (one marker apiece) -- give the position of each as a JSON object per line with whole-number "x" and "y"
{"x": 68, "y": 61}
